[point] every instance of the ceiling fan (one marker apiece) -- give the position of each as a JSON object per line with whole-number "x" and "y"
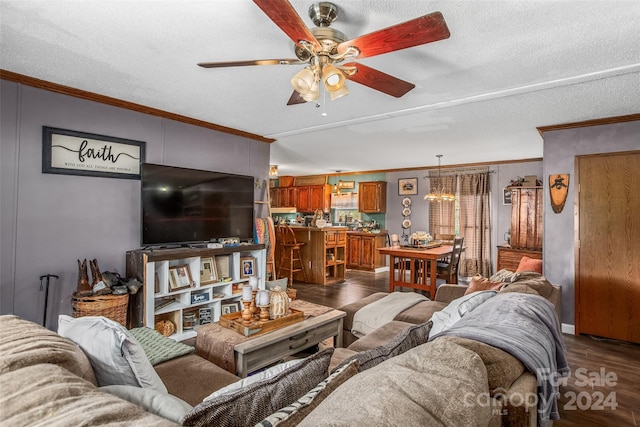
{"x": 324, "y": 50}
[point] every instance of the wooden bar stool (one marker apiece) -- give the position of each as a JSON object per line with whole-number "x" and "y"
{"x": 290, "y": 256}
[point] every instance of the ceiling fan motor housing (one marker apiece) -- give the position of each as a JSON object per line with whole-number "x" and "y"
{"x": 322, "y": 14}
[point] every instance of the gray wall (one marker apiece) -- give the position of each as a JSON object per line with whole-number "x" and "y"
{"x": 500, "y": 213}
{"x": 48, "y": 221}
{"x": 560, "y": 149}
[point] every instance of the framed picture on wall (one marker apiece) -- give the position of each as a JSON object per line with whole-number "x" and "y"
{"x": 506, "y": 198}
{"x": 407, "y": 186}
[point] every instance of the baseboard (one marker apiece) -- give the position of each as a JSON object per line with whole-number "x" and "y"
{"x": 568, "y": 329}
{"x": 381, "y": 270}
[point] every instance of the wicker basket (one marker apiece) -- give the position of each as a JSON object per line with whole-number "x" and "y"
{"x": 113, "y": 307}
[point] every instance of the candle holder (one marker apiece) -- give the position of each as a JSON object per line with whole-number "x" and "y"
{"x": 264, "y": 313}
{"x": 254, "y": 307}
{"x": 246, "y": 313}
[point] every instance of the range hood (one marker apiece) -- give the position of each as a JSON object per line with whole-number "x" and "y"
{"x": 290, "y": 210}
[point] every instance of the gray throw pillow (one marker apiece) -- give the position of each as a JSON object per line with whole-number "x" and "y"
{"x": 255, "y": 402}
{"x": 291, "y": 415}
{"x": 158, "y": 403}
{"x": 409, "y": 338}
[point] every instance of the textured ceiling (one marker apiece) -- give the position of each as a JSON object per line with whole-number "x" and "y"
{"x": 508, "y": 67}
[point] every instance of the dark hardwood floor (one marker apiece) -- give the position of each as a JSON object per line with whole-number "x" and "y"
{"x": 604, "y": 386}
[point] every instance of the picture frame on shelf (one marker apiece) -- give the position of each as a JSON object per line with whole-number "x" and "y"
{"x": 199, "y": 297}
{"x": 222, "y": 266}
{"x": 208, "y": 271}
{"x": 506, "y": 197}
{"x": 179, "y": 277}
{"x": 205, "y": 315}
{"x": 231, "y": 307}
{"x": 407, "y": 186}
{"x": 247, "y": 267}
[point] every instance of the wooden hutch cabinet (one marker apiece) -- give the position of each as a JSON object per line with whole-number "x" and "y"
{"x": 526, "y": 228}
{"x": 372, "y": 197}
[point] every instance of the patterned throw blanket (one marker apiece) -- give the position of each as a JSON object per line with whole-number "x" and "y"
{"x": 527, "y": 327}
{"x": 157, "y": 347}
{"x": 372, "y": 316}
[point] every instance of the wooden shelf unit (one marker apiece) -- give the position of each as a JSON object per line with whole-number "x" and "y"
{"x": 151, "y": 267}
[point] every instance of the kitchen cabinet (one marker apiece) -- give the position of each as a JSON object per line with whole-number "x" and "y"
{"x": 362, "y": 253}
{"x": 313, "y": 197}
{"x": 283, "y": 197}
{"x": 372, "y": 197}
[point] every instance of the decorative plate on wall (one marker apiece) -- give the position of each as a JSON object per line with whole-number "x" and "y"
{"x": 406, "y": 212}
{"x": 406, "y": 223}
{"x": 406, "y": 202}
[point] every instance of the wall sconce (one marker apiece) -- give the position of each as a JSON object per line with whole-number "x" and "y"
{"x": 273, "y": 171}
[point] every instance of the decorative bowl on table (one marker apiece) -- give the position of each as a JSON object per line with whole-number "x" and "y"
{"x": 421, "y": 238}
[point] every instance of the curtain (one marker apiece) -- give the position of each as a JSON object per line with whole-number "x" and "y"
{"x": 475, "y": 224}
{"x": 442, "y": 216}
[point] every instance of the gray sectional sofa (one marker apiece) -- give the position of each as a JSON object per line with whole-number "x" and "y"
{"x": 396, "y": 375}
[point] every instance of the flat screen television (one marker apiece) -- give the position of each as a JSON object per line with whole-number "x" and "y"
{"x": 186, "y": 206}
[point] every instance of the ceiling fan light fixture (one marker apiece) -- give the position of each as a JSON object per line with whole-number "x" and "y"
{"x": 313, "y": 93}
{"x": 339, "y": 93}
{"x": 303, "y": 81}
{"x": 334, "y": 79}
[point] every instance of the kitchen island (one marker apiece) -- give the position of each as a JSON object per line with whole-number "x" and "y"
{"x": 324, "y": 253}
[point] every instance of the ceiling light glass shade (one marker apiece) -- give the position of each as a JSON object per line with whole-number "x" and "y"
{"x": 333, "y": 78}
{"x": 312, "y": 95}
{"x": 440, "y": 194}
{"x": 303, "y": 81}
{"x": 339, "y": 93}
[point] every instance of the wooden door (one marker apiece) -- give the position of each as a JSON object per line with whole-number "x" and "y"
{"x": 372, "y": 197}
{"x": 303, "y": 200}
{"x": 353, "y": 248}
{"x": 608, "y": 253}
{"x": 316, "y": 197}
{"x": 368, "y": 252}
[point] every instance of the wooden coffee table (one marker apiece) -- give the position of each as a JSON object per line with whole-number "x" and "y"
{"x": 255, "y": 352}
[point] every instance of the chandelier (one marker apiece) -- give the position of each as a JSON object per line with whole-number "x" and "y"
{"x": 440, "y": 194}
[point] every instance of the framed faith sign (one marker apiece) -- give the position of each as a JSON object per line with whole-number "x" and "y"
{"x": 77, "y": 153}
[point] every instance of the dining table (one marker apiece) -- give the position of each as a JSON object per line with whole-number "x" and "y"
{"x": 415, "y": 267}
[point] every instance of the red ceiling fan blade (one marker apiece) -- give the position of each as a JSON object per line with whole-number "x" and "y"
{"x": 296, "y": 98}
{"x": 426, "y": 29}
{"x": 378, "y": 80}
{"x": 285, "y": 16}
{"x": 294, "y": 61}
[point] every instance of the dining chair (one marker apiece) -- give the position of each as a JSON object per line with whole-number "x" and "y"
{"x": 444, "y": 238}
{"x": 448, "y": 270}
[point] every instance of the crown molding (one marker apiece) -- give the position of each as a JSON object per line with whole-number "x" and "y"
{"x": 115, "y": 102}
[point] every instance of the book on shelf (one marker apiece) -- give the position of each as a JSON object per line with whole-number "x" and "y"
{"x": 163, "y": 302}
